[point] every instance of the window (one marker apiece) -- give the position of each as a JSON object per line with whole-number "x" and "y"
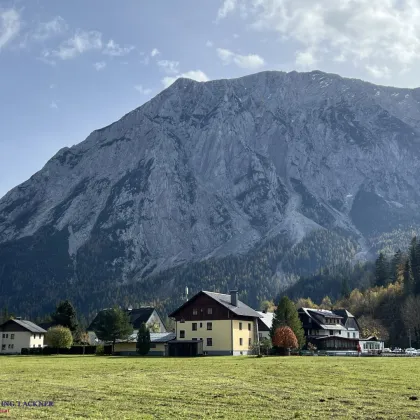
{"x": 348, "y": 335}
{"x": 354, "y": 335}
{"x": 12, "y": 336}
{"x": 7, "y": 335}
{"x": 194, "y": 326}
{"x": 240, "y": 325}
{"x": 194, "y": 339}
{"x": 209, "y": 326}
{"x": 240, "y": 342}
{"x": 209, "y": 311}
{"x": 3, "y": 346}
{"x": 39, "y": 335}
{"x": 339, "y": 332}
{"x": 34, "y": 335}
{"x": 209, "y": 342}
{"x": 182, "y": 320}
{"x": 249, "y": 326}
{"x": 331, "y": 332}
{"x": 39, "y": 345}
{"x": 194, "y": 311}
{"x": 249, "y": 341}
{"x": 201, "y": 325}
{"x": 181, "y": 334}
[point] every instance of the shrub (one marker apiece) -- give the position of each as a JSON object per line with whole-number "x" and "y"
{"x": 100, "y": 350}
{"x": 285, "y": 338}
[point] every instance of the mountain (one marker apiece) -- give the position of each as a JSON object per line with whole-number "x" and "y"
{"x": 285, "y": 171}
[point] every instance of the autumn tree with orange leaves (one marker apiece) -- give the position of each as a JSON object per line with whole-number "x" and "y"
{"x": 285, "y": 339}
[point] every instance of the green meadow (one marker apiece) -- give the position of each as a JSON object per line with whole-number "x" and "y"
{"x": 104, "y": 387}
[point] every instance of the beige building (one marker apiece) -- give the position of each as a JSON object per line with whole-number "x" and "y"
{"x": 158, "y": 344}
{"x": 224, "y": 324}
{"x": 17, "y": 334}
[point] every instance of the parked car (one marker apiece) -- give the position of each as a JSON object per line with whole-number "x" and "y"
{"x": 411, "y": 351}
{"x": 387, "y": 350}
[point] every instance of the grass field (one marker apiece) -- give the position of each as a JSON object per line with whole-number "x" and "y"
{"x": 211, "y": 387}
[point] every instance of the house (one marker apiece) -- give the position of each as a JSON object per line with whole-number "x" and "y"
{"x": 264, "y": 324}
{"x": 158, "y": 344}
{"x": 17, "y": 334}
{"x": 330, "y": 330}
{"x": 224, "y": 324}
{"x": 371, "y": 345}
{"x": 146, "y": 315}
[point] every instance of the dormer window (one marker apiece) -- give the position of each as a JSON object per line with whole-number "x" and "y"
{"x": 209, "y": 311}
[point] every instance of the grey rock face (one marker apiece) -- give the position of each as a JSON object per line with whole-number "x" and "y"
{"x": 211, "y": 169}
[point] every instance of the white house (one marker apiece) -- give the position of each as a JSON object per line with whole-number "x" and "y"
{"x": 146, "y": 315}
{"x": 17, "y": 334}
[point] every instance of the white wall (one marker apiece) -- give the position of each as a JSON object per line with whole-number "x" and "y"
{"x": 20, "y": 340}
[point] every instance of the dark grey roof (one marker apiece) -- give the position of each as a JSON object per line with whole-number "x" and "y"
{"x": 30, "y": 326}
{"x": 154, "y": 338}
{"x": 241, "y": 309}
{"x": 137, "y": 317}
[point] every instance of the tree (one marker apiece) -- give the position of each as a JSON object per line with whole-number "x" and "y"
{"x": 372, "y": 327}
{"x": 111, "y": 325}
{"x": 83, "y": 338}
{"x": 326, "y": 303}
{"x": 286, "y": 315}
{"x": 266, "y": 345}
{"x": 59, "y": 337}
{"x": 267, "y": 306}
{"x": 284, "y": 338}
{"x": 143, "y": 340}
{"x": 381, "y": 271}
{"x": 397, "y": 267}
{"x": 410, "y": 312}
{"x": 305, "y": 303}
{"x": 155, "y": 327}
{"x": 65, "y": 315}
{"x": 345, "y": 288}
{"x": 408, "y": 278}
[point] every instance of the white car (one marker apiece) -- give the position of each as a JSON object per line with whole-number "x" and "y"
{"x": 411, "y": 351}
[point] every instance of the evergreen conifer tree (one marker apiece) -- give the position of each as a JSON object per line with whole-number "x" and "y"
{"x": 381, "y": 271}
{"x": 286, "y": 315}
{"x": 143, "y": 340}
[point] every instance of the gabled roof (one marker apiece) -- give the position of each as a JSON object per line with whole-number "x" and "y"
{"x": 267, "y": 318}
{"x": 137, "y": 317}
{"x": 225, "y": 300}
{"x": 28, "y": 325}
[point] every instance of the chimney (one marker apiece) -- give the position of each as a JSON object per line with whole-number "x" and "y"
{"x": 18, "y": 317}
{"x": 234, "y": 297}
{"x": 130, "y": 308}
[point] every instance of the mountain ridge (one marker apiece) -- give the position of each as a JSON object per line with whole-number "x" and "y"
{"x": 212, "y": 169}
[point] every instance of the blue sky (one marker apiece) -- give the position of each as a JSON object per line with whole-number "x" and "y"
{"x": 70, "y": 67}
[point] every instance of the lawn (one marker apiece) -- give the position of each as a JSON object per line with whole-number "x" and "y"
{"x": 211, "y": 387}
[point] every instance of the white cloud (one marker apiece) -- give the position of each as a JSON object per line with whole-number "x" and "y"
{"x": 379, "y": 72}
{"x": 81, "y": 42}
{"x": 155, "y": 52}
{"x": 170, "y": 67}
{"x": 53, "y": 105}
{"x": 100, "y": 65}
{"x": 305, "y": 60}
{"x": 47, "y": 58}
{"x": 250, "y": 61}
{"x": 114, "y": 50}
{"x": 376, "y": 33}
{"x": 46, "y": 30}
{"x": 227, "y": 7}
{"x": 142, "y": 90}
{"x": 209, "y": 44}
{"x": 9, "y": 26}
{"x": 197, "y": 75}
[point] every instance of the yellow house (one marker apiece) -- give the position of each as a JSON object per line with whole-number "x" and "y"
{"x": 17, "y": 334}
{"x": 224, "y": 324}
{"x": 158, "y": 344}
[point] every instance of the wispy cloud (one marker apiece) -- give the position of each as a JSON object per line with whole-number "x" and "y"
{"x": 170, "y": 67}
{"x": 155, "y": 52}
{"x": 100, "y": 65}
{"x": 47, "y": 57}
{"x": 53, "y": 105}
{"x": 81, "y": 42}
{"x": 115, "y": 50}
{"x": 197, "y": 75}
{"x": 46, "y": 30}
{"x": 10, "y": 24}
{"x": 227, "y": 7}
{"x": 143, "y": 90}
{"x": 250, "y": 61}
